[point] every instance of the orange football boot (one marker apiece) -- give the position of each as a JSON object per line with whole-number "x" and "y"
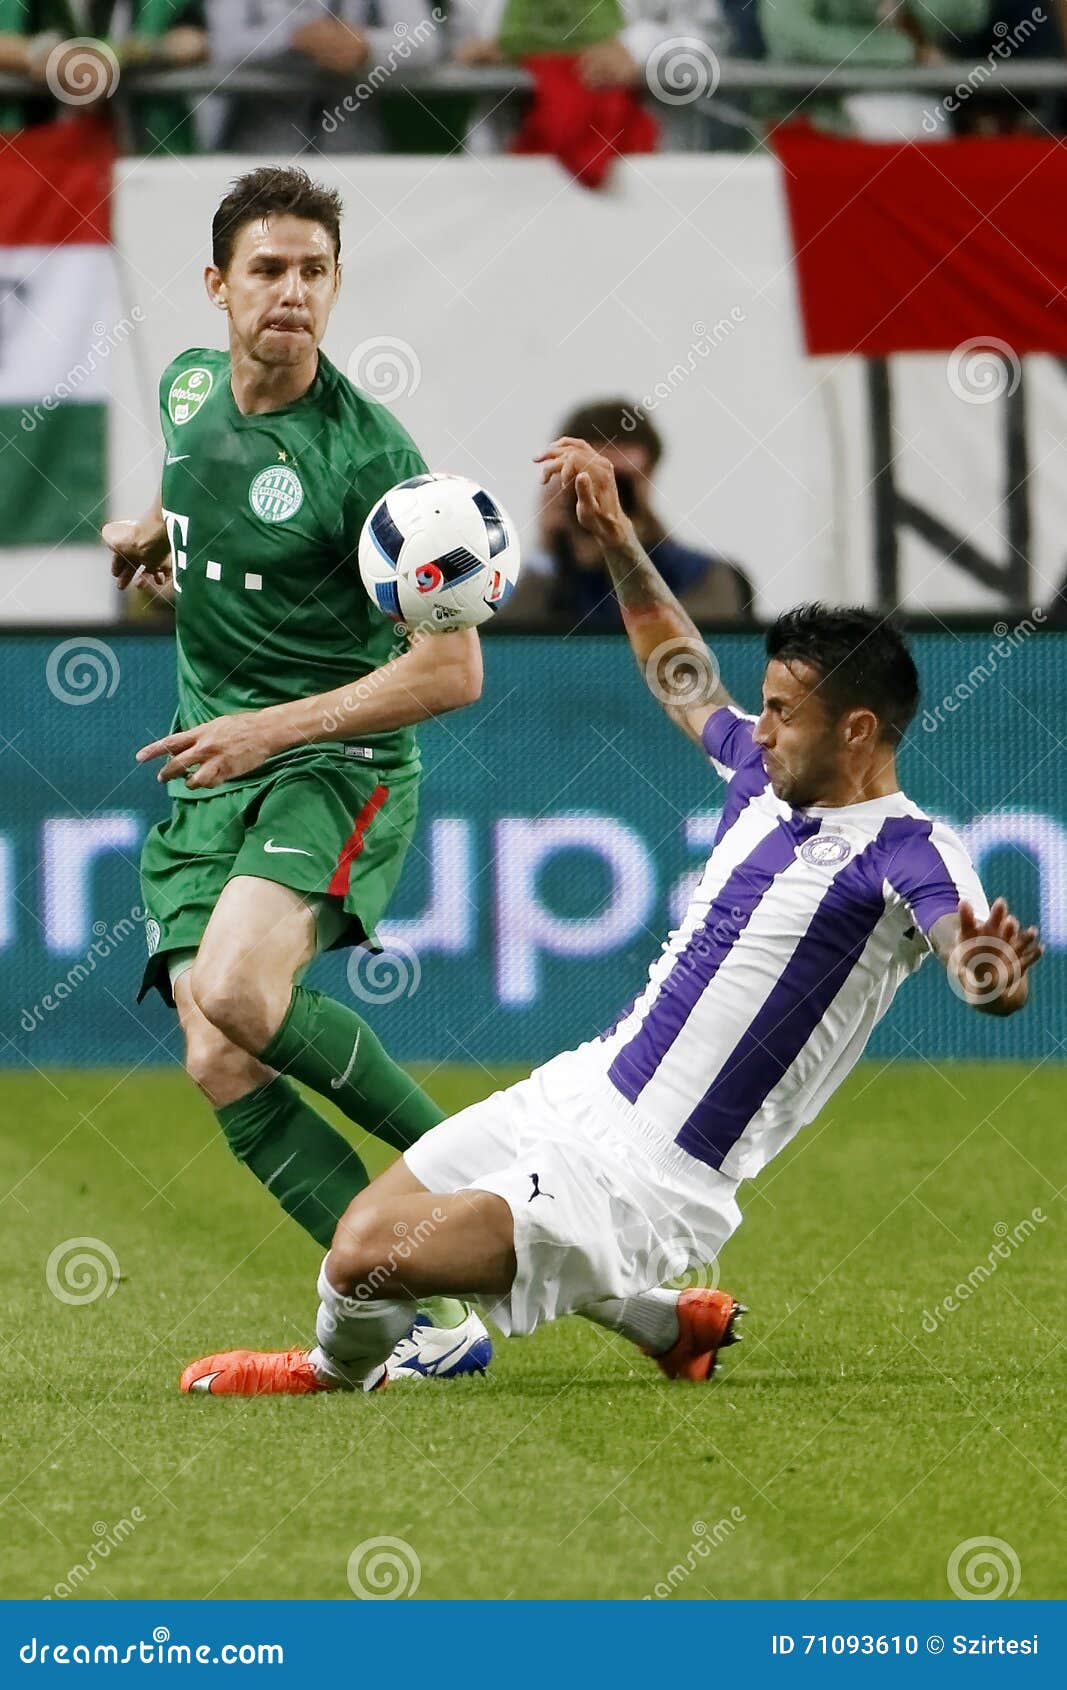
{"x": 706, "y": 1322}
{"x": 258, "y": 1373}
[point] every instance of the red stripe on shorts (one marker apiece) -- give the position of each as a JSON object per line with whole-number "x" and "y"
{"x": 353, "y": 845}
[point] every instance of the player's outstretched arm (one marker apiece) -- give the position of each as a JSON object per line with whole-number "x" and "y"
{"x": 680, "y": 670}
{"x": 439, "y": 672}
{"x": 988, "y": 962}
{"x": 139, "y": 548}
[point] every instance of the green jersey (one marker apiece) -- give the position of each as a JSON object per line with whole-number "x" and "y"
{"x": 264, "y": 514}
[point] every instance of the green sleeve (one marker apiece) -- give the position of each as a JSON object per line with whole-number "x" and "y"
{"x": 164, "y": 388}
{"x": 800, "y": 33}
{"x": 367, "y": 485}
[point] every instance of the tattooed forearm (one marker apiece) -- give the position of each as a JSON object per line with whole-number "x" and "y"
{"x": 661, "y": 631}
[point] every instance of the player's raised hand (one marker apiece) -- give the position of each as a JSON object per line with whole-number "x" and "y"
{"x": 580, "y": 466}
{"x": 139, "y": 551}
{"x": 218, "y": 750}
{"x": 990, "y": 960}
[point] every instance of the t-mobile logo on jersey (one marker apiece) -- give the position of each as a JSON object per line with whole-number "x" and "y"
{"x": 178, "y": 537}
{"x": 177, "y": 529}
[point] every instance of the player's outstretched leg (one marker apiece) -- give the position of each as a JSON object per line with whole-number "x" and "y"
{"x": 369, "y": 1291}
{"x": 683, "y": 1331}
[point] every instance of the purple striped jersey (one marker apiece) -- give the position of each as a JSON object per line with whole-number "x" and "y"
{"x": 802, "y": 926}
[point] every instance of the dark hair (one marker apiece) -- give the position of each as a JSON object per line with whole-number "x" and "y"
{"x": 261, "y": 193}
{"x": 861, "y": 657}
{"x": 612, "y": 421}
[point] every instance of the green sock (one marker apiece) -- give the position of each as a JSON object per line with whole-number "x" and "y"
{"x": 307, "y": 1166}
{"x": 332, "y": 1049}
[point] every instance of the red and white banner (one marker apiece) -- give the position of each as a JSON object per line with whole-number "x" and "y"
{"x": 59, "y": 320}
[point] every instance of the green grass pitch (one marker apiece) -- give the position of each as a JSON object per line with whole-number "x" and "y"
{"x": 859, "y": 1434}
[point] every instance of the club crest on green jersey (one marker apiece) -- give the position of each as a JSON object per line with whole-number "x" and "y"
{"x": 187, "y": 393}
{"x": 276, "y": 493}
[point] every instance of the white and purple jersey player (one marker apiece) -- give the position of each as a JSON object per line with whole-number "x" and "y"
{"x": 803, "y": 925}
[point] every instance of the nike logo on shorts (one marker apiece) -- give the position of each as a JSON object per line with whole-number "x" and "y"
{"x": 284, "y": 850}
{"x": 179, "y": 459}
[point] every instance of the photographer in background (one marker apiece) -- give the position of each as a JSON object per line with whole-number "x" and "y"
{"x": 564, "y": 584}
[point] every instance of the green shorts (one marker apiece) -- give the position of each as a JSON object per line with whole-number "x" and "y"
{"x": 336, "y": 833}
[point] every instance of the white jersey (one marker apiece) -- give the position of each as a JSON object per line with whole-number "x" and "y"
{"x": 802, "y": 927}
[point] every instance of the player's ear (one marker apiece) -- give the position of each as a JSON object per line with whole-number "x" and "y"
{"x": 215, "y": 283}
{"x": 861, "y": 727}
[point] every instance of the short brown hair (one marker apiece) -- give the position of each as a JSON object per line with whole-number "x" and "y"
{"x": 610, "y": 421}
{"x": 262, "y": 193}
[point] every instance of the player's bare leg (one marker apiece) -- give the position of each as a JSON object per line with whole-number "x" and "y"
{"x": 260, "y": 937}
{"x": 223, "y": 1071}
{"x": 397, "y": 1244}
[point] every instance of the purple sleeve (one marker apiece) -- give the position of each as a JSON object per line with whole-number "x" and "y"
{"x": 930, "y": 870}
{"x": 727, "y": 739}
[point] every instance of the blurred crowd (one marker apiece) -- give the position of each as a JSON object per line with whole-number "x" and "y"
{"x": 605, "y": 76}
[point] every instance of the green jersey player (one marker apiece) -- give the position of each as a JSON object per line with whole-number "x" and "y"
{"x": 292, "y": 762}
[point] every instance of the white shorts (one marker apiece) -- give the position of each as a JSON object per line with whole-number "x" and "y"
{"x": 605, "y": 1204}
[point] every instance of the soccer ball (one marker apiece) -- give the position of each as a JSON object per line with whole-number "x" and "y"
{"x": 437, "y": 552}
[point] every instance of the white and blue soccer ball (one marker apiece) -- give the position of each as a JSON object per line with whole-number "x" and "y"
{"x": 438, "y": 552}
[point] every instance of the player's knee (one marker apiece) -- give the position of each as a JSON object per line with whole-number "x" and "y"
{"x": 237, "y": 1002}
{"x": 221, "y": 1069}
{"x": 363, "y": 1252}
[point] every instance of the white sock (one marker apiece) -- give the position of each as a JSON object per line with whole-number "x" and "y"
{"x": 650, "y": 1320}
{"x": 356, "y": 1335}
